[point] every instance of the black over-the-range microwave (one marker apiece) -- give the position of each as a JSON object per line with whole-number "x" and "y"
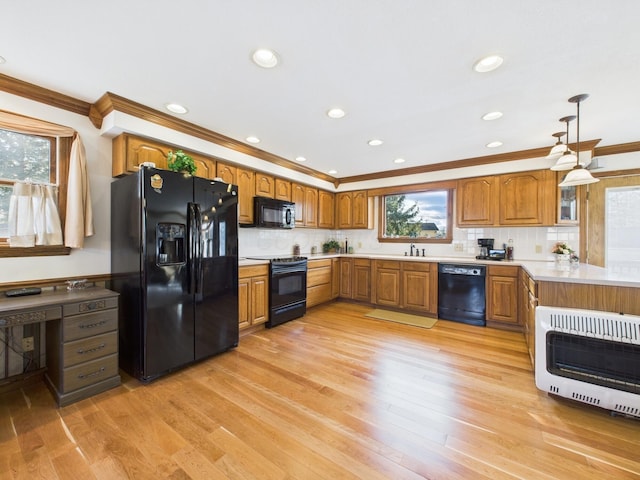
{"x": 272, "y": 213}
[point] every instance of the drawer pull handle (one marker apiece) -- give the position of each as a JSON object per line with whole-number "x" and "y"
{"x": 92, "y": 374}
{"x": 88, "y": 306}
{"x": 91, "y": 350}
{"x": 91, "y": 325}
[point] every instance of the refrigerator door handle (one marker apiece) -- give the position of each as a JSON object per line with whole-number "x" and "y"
{"x": 194, "y": 256}
{"x": 198, "y": 245}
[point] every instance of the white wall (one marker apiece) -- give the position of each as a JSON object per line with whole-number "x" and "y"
{"x": 94, "y": 258}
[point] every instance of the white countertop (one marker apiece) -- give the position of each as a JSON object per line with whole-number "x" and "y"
{"x": 539, "y": 271}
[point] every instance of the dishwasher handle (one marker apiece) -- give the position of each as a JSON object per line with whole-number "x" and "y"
{"x": 455, "y": 269}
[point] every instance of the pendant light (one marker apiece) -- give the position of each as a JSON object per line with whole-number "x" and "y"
{"x": 558, "y": 148}
{"x": 566, "y": 160}
{"x": 578, "y": 175}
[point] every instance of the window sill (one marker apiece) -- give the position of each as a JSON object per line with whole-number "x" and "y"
{"x": 39, "y": 251}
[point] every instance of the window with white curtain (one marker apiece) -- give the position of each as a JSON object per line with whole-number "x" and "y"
{"x": 26, "y": 158}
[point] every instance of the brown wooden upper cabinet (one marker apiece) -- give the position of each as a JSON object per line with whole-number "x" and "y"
{"x": 326, "y": 209}
{"x": 129, "y": 151}
{"x": 246, "y": 192}
{"x": 476, "y": 200}
{"x": 310, "y": 207}
{"x": 298, "y": 197}
{"x": 527, "y": 198}
{"x": 314, "y": 207}
{"x": 521, "y": 198}
{"x": 265, "y": 185}
{"x": 228, "y": 173}
{"x": 283, "y": 190}
{"x": 352, "y": 210}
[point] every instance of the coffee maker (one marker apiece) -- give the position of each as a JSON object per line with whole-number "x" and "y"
{"x": 485, "y": 244}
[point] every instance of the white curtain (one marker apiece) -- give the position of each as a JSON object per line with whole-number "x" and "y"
{"x": 79, "y": 216}
{"x": 33, "y": 216}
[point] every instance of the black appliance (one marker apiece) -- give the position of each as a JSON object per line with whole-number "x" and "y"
{"x": 461, "y": 293}
{"x": 273, "y": 213}
{"x": 485, "y": 244}
{"x": 174, "y": 261}
{"x": 287, "y": 288}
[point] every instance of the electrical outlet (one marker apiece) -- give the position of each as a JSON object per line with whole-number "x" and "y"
{"x": 359, "y": 244}
{"x": 27, "y": 344}
{"x": 538, "y": 248}
{"x": 458, "y": 247}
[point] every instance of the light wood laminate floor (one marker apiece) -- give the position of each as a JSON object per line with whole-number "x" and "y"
{"x": 333, "y": 395}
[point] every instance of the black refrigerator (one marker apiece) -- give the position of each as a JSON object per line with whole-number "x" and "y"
{"x": 174, "y": 261}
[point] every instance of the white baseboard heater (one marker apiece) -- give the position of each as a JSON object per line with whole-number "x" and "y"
{"x": 589, "y": 356}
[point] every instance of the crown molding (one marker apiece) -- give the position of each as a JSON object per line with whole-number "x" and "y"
{"x": 467, "y": 162}
{"x": 616, "y": 149}
{"x": 110, "y": 102}
{"x": 43, "y": 95}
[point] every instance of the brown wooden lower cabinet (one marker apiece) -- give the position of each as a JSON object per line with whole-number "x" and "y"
{"x": 386, "y": 277}
{"x": 606, "y": 298}
{"x": 253, "y": 295}
{"x": 361, "y": 287}
{"x": 420, "y": 287}
{"x": 411, "y": 286}
{"x": 335, "y": 278}
{"x": 528, "y": 300}
{"x": 502, "y": 297}
{"x": 319, "y": 281}
{"x": 355, "y": 279}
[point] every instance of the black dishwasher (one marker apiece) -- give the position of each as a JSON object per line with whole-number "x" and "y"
{"x": 461, "y": 293}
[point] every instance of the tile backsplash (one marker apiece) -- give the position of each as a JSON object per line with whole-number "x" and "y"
{"x": 530, "y": 243}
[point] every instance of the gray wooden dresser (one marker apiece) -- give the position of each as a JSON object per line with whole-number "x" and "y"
{"x": 81, "y": 338}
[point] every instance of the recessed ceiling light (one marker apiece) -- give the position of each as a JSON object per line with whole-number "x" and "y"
{"x": 176, "y": 108}
{"x": 492, "y": 116}
{"x": 252, "y": 139}
{"x": 399, "y": 160}
{"x": 332, "y": 172}
{"x": 301, "y": 159}
{"x": 336, "y": 113}
{"x": 375, "y": 142}
{"x": 265, "y": 58}
{"x": 487, "y": 64}
{"x": 494, "y": 144}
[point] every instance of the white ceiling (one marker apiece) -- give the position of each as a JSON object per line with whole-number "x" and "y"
{"x": 402, "y": 69}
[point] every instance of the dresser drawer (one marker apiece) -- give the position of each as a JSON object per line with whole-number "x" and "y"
{"x": 89, "y": 373}
{"x": 89, "y": 324}
{"x": 89, "y": 348}
{"x": 89, "y": 306}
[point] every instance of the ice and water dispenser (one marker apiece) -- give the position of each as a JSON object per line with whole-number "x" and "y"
{"x": 170, "y": 246}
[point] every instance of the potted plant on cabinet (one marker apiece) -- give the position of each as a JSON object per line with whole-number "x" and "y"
{"x": 181, "y": 162}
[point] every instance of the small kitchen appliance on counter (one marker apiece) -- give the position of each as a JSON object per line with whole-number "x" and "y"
{"x": 486, "y": 245}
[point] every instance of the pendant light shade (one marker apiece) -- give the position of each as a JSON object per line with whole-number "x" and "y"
{"x": 566, "y": 158}
{"x": 578, "y": 175}
{"x": 566, "y": 162}
{"x": 558, "y": 149}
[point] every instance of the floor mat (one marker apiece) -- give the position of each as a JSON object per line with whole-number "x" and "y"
{"x": 399, "y": 317}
